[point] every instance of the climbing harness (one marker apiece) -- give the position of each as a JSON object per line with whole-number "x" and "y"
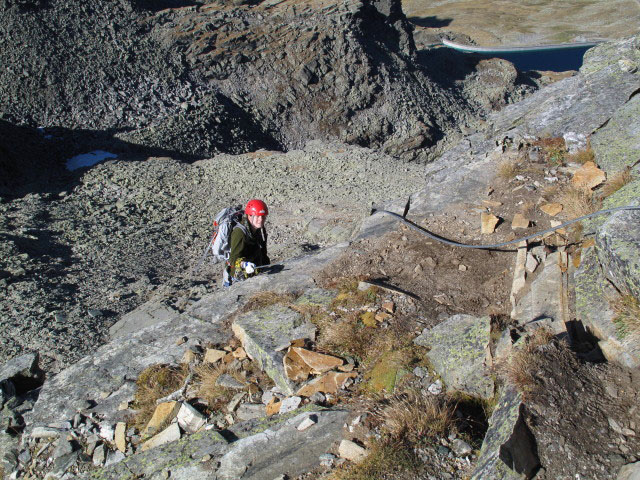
{"x": 433, "y": 236}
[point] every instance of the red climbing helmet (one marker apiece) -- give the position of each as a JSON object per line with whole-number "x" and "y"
{"x": 256, "y": 207}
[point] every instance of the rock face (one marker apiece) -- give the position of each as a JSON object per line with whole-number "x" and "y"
{"x": 266, "y": 334}
{"x": 219, "y": 77}
{"x": 284, "y": 449}
{"x": 508, "y": 450}
{"x": 603, "y": 89}
{"x": 458, "y": 351}
{"x": 105, "y": 379}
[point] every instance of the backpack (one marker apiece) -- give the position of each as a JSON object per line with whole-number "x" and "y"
{"x": 224, "y": 223}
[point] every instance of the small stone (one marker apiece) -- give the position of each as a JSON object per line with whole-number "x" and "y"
{"x": 190, "y": 419}
{"x": 113, "y": 458}
{"x": 418, "y": 268}
{"x": 615, "y": 426}
{"x": 551, "y": 209}
{"x": 289, "y": 404}
{"x": 24, "y": 457}
{"x": 318, "y": 362}
{"x": 317, "y": 397}
{"x": 93, "y": 313}
{"x": 181, "y": 340}
{"x": 99, "y": 455}
{"x": 63, "y": 447}
{"x": 435, "y": 388}
{"x": 189, "y": 356}
{"x": 351, "y": 451}
{"x": 205, "y": 458}
{"x": 248, "y": 411}
{"x": 120, "y": 436}
{"x": 462, "y": 268}
{"x": 519, "y": 221}
{"x": 306, "y": 423}
{"x": 588, "y": 176}
{"x": 239, "y": 353}
{"x": 347, "y": 367}
{"x": 382, "y": 316}
{"x": 488, "y": 223}
{"x": 389, "y": 306}
{"x": 327, "y": 460}
{"x": 532, "y": 263}
{"x": 235, "y": 401}
{"x": 107, "y": 432}
{"x": 163, "y": 414}
{"x": 123, "y": 405}
{"x": 461, "y": 448}
{"x": 169, "y": 434}
{"x": 442, "y": 450}
{"x": 46, "y": 432}
{"x": 227, "y": 381}
{"x": 421, "y": 372}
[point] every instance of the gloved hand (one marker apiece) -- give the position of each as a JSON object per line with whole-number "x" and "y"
{"x": 248, "y": 267}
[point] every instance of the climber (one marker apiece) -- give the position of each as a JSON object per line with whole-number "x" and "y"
{"x": 248, "y": 243}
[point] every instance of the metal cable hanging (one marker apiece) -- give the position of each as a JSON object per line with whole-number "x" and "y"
{"x": 433, "y": 236}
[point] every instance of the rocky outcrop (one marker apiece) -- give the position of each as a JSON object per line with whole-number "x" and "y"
{"x": 575, "y": 107}
{"x": 266, "y": 334}
{"x": 458, "y": 350}
{"x": 196, "y": 79}
{"x": 508, "y": 450}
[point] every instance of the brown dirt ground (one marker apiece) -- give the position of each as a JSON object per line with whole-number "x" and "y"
{"x": 575, "y": 414}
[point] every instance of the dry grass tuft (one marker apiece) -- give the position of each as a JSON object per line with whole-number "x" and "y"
{"x": 414, "y": 417}
{"x": 582, "y": 156}
{"x": 508, "y": 169}
{"x": 348, "y": 336}
{"x": 266, "y": 299}
{"x": 627, "y": 315}
{"x": 554, "y": 149}
{"x": 206, "y": 376}
{"x": 386, "y": 460}
{"x": 577, "y": 202}
{"x": 349, "y": 296}
{"x": 615, "y": 182}
{"x": 519, "y": 369}
{"x": 154, "y": 383}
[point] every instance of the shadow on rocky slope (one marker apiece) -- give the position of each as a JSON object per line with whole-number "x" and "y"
{"x": 210, "y": 78}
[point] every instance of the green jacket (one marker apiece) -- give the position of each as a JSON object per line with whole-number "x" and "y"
{"x": 247, "y": 246}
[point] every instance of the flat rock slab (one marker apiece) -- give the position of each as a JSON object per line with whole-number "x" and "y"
{"x": 458, "y": 352}
{"x": 146, "y": 315}
{"x": 547, "y": 296}
{"x": 296, "y": 277}
{"x": 283, "y": 449}
{"x": 618, "y": 247}
{"x": 592, "y": 308}
{"x": 24, "y": 366}
{"x": 183, "y": 458}
{"x": 265, "y": 335}
{"x": 107, "y": 378}
{"x": 617, "y": 144}
{"x": 508, "y": 449}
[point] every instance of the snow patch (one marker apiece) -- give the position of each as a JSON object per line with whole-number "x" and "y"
{"x": 89, "y": 159}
